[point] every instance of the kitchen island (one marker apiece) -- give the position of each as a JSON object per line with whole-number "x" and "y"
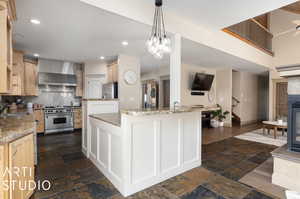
{"x": 136, "y": 149}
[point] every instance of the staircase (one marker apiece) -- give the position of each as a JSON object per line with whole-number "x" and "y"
{"x": 236, "y": 120}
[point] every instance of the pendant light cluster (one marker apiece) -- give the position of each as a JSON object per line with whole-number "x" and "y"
{"x": 158, "y": 44}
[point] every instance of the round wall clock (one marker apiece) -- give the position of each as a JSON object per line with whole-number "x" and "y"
{"x": 130, "y": 77}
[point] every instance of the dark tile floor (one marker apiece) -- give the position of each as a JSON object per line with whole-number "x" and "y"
{"x": 224, "y": 163}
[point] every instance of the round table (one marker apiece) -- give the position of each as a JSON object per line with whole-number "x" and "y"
{"x": 275, "y": 126}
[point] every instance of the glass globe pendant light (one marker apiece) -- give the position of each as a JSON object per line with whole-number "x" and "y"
{"x": 158, "y": 44}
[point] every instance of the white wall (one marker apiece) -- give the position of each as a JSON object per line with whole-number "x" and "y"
{"x": 156, "y": 74}
{"x": 224, "y": 92}
{"x": 188, "y": 75}
{"x": 129, "y": 95}
{"x": 252, "y": 92}
{"x": 94, "y": 70}
{"x": 249, "y": 98}
{"x": 286, "y": 47}
{"x": 236, "y": 90}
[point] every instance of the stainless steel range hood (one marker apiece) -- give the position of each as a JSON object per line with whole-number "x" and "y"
{"x": 57, "y": 79}
{"x": 57, "y": 73}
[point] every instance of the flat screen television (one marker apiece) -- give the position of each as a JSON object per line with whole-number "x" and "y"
{"x": 202, "y": 82}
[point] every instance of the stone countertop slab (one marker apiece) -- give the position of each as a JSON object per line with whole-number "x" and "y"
{"x": 161, "y": 111}
{"x": 99, "y": 99}
{"x": 112, "y": 118}
{"x": 115, "y": 118}
{"x": 15, "y": 127}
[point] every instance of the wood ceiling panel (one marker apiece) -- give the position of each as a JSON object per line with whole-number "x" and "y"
{"x": 294, "y": 8}
{"x": 263, "y": 20}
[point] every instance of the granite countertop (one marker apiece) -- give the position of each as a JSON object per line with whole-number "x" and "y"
{"x": 112, "y": 118}
{"x": 115, "y": 118}
{"x": 99, "y": 99}
{"x": 17, "y": 126}
{"x": 183, "y": 109}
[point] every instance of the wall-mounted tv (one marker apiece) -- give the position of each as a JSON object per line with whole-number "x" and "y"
{"x": 202, "y": 82}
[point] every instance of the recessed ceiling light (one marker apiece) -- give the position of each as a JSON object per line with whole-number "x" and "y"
{"x": 36, "y": 55}
{"x": 35, "y": 21}
{"x": 125, "y": 43}
{"x": 102, "y": 57}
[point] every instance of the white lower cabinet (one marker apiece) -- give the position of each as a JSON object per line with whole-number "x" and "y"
{"x": 145, "y": 150}
{"x": 90, "y": 107}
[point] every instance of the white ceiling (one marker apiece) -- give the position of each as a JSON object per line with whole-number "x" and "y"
{"x": 197, "y": 54}
{"x": 74, "y": 31}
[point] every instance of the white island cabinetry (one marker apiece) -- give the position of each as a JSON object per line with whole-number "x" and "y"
{"x": 137, "y": 151}
{"x": 94, "y": 106}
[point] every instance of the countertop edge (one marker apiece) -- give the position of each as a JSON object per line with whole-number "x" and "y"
{"x": 94, "y": 116}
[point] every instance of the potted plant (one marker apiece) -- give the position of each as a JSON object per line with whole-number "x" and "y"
{"x": 218, "y": 117}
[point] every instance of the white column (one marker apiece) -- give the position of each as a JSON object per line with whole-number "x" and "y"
{"x": 175, "y": 70}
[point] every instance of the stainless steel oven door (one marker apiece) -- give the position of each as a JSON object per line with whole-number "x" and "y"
{"x": 58, "y": 122}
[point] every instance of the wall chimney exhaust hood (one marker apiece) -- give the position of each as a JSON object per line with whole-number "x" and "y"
{"x": 57, "y": 79}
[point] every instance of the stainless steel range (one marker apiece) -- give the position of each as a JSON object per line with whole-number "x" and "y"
{"x": 58, "y": 119}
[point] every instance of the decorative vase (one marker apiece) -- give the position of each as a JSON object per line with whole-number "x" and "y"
{"x": 214, "y": 123}
{"x": 221, "y": 124}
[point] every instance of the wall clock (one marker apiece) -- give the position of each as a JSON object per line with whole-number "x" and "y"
{"x": 130, "y": 77}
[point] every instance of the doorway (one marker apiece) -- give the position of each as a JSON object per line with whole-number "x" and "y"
{"x": 281, "y": 106}
{"x": 166, "y": 93}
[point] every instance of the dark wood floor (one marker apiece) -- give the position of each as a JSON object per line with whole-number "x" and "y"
{"x": 224, "y": 163}
{"x": 211, "y": 135}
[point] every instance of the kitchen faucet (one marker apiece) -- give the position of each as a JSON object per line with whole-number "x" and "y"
{"x": 176, "y": 104}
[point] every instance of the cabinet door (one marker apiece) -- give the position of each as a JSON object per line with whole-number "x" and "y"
{"x": 16, "y": 85}
{"x": 94, "y": 90}
{"x": 31, "y": 79}
{"x": 28, "y": 158}
{"x": 79, "y": 87}
{"x": 39, "y": 116}
{"x": 77, "y": 119}
{"x": 5, "y": 45}
{"x": 21, "y": 159}
{"x": 4, "y": 163}
{"x": 15, "y": 162}
{"x": 18, "y": 70}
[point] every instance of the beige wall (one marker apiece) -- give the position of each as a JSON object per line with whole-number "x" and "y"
{"x": 188, "y": 75}
{"x": 129, "y": 95}
{"x": 95, "y": 70}
{"x": 156, "y": 74}
{"x": 249, "y": 98}
{"x": 236, "y": 90}
{"x": 247, "y": 89}
{"x": 95, "y": 67}
{"x": 224, "y": 92}
{"x": 274, "y": 78}
{"x": 286, "y": 47}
